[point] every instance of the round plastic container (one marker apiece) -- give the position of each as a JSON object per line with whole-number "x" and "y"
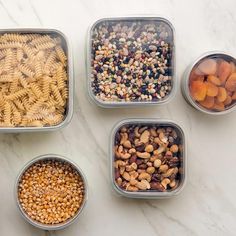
{"x": 149, "y": 194}
{"x": 60, "y": 225}
{"x": 213, "y": 74}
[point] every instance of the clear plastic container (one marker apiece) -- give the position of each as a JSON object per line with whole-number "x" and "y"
{"x": 55, "y": 226}
{"x": 209, "y": 83}
{"x": 30, "y": 50}
{"x": 131, "y": 61}
{"x": 148, "y": 193}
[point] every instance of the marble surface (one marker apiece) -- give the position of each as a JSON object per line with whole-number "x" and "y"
{"x": 207, "y": 204}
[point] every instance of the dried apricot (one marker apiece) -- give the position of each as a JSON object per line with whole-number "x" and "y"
{"x": 208, "y": 102}
{"x": 224, "y": 71}
{"x": 231, "y": 83}
{"x": 222, "y": 94}
{"x": 208, "y": 66}
{"x": 233, "y": 67}
{"x": 214, "y": 80}
{"x": 234, "y": 96}
{"x": 219, "y": 106}
{"x": 198, "y": 90}
{"x": 228, "y": 101}
{"x": 212, "y": 90}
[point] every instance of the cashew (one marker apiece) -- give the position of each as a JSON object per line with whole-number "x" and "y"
{"x": 141, "y": 130}
{"x": 145, "y": 175}
{"x": 172, "y": 183}
{"x": 127, "y": 144}
{"x": 119, "y": 163}
{"x": 168, "y": 172}
{"x": 123, "y": 129}
{"x": 126, "y": 176}
{"x": 119, "y": 181}
{"x": 132, "y": 150}
{"x": 157, "y": 163}
{"x": 143, "y": 185}
{"x": 136, "y": 132}
{"x": 125, "y": 156}
{"x": 163, "y": 168}
{"x": 146, "y": 182}
{"x": 149, "y": 148}
{"x": 153, "y": 132}
{"x": 176, "y": 170}
{"x": 150, "y": 170}
{"x": 124, "y": 137}
{"x": 131, "y": 188}
{"x": 145, "y": 136}
{"x": 131, "y": 167}
{"x": 165, "y": 182}
{"x": 143, "y": 155}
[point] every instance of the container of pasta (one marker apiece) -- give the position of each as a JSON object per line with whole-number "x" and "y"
{"x": 131, "y": 61}
{"x": 36, "y": 80}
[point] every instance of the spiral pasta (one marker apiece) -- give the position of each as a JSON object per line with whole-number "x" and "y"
{"x": 33, "y": 80}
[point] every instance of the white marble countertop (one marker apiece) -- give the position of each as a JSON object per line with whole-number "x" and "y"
{"x": 207, "y": 204}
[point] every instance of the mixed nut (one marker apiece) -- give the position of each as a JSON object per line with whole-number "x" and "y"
{"x": 131, "y": 60}
{"x": 148, "y": 157}
{"x": 212, "y": 83}
{"x": 51, "y": 192}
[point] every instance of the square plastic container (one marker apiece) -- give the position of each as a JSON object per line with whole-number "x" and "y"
{"x": 70, "y": 82}
{"x": 149, "y": 193}
{"x": 131, "y": 61}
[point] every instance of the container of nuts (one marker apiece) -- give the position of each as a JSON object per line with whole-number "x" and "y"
{"x": 51, "y": 192}
{"x": 209, "y": 83}
{"x": 131, "y": 61}
{"x": 148, "y": 158}
{"x": 36, "y": 80}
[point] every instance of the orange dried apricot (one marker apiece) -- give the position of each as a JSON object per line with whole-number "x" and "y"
{"x": 208, "y": 102}
{"x": 228, "y": 101}
{"x": 224, "y": 71}
{"x": 212, "y": 90}
{"x": 214, "y": 80}
{"x": 231, "y": 83}
{"x": 198, "y": 90}
{"x": 222, "y": 94}
{"x": 234, "y": 96}
{"x": 208, "y": 66}
{"x": 219, "y": 106}
{"x": 233, "y": 67}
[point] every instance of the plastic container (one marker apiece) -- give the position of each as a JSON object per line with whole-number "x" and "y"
{"x": 67, "y": 49}
{"x": 55, "y": 226}
{"x": 193, "y": 70}
{"x": 149, "y": 194}
{"x": 160, "y": 22}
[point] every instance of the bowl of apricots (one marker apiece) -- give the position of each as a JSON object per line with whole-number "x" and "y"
{"x": 209, "y": 84}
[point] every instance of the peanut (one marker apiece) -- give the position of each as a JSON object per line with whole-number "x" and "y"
{"x": 149, "y": 148}
{"x": 132, "y": 188}
{"x": 126, "y": 176}
{"x": 168, "y": 172}
{"x": 127, "y": 144}
{"x": 145, "y": 136}
{"x": 157, "y": 163}
{"x": 163, "y": 168}
{"x": 150, "y": 170}
{"x": 174, "y": 148}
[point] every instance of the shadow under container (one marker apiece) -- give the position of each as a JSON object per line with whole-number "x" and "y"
{"x": 65, "y": 44}
{"x": 149, "y": 194}
{"x": 193, "y": 73}
{"x": 62, "y": 159}
{"x": 125, "y": 57}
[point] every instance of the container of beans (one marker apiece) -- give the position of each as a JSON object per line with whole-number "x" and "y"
{"x": 148, "y": 158}
{"x": 51, "y": 192}
{"x": 209, "y": 83}
{"x": 36, "y": 80}
{"x": 131, "y": 61}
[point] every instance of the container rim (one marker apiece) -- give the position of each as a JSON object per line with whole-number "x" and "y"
{"x": 185, "y": 80}
{"x": 24, "y": 214}
{"x": 112, "y": 104}
{"x": 147, "y": 194}
{"x": 69, "y": 114}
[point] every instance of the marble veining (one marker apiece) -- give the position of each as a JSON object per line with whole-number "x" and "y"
{"x": 207, "y": 204}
